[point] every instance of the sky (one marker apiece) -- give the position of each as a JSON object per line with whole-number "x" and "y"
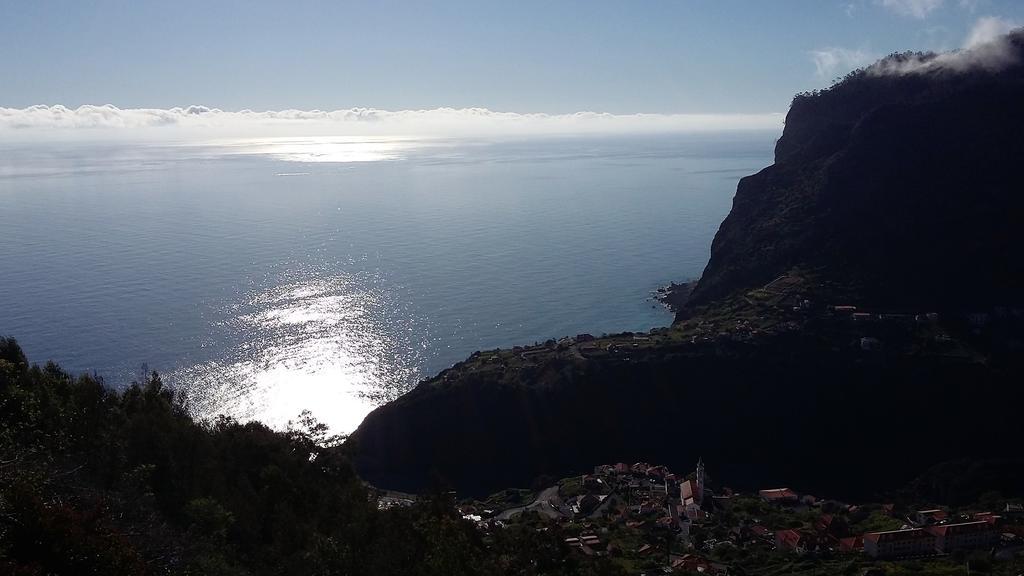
{"x": 689, "y": 57}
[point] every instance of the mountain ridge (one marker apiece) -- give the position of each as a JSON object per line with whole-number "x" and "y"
{"x": 892, "y": 195}
{"x": 868, "y": 188}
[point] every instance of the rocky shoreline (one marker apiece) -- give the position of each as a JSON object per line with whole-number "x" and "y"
{"x": 675, "y": 296}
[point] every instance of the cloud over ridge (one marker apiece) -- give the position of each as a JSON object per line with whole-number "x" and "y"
{"x": 991, "y": 45}
{"x": 109, "y": 120}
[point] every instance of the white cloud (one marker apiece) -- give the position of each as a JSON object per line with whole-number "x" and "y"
{"x": 986, "y": 47}
{"x": 988, "y": 29}
{"x": 919, "y": 9}
{"x": 831, "y": 61}
{"x": 198, "y": 121}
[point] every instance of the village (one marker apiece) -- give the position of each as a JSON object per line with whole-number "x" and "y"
{"x": 653, "y": 521}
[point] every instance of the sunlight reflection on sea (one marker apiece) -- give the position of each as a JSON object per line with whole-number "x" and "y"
{"x": 323, "y": 148}
{"x": 317, "y": 344}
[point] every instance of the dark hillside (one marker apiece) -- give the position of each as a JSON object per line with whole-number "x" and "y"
{"x": 783, "y": 411}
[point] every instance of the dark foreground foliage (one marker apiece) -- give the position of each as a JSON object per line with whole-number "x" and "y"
{"x": 94, "y": 481}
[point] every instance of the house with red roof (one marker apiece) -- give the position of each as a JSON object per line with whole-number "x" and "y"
{"x": 851, "y": 544}
{"x": 929, "y": 517}
{"x": 986, "y": 516}
{"x": 790, "y": 540}
{"x": 691, "y": 563}
{"x": 966, "y": 535}
{"x": 657, "y": 472}
{"x": 831, "y": 525}
{"x": 779, "y": 495}
{"x": 899, "y": 543}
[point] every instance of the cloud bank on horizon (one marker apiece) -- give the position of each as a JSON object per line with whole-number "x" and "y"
{"x": 987, "y": 46}
{"x": 109, "y": 121}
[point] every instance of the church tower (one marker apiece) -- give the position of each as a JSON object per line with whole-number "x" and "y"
{"x": 699, "y": 496}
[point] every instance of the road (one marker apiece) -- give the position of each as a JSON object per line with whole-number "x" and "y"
{"x": 542, "y": 504}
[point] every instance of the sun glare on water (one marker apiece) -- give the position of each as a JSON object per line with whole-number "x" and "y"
{"x": 324, "y": 148}
{"x": 316, "y": 345}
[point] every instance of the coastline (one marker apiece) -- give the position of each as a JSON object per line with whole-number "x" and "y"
{"x": 675, "y": 296}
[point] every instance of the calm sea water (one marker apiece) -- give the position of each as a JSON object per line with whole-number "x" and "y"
{"x": 268, "y": 277}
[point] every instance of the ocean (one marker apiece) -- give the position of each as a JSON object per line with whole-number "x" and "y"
{"x": 266, "y": 277}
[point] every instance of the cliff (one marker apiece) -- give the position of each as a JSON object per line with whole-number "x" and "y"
{"x": 784, "y": 412}
{"x": 897, "y": 189}
{"x": 901, "y": 188}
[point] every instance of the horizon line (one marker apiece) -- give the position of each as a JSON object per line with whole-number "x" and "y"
{"x": 43, "y": 119}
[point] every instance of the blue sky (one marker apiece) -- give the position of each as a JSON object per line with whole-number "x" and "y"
{"x": 658, "y": 56}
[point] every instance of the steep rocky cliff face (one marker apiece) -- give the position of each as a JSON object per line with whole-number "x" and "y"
{"x": 904, "y": 187}
{"x": 890, "y": 190}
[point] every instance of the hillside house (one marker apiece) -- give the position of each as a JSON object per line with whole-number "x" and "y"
{"x": 790, "y": 540}
{"x": 930, "y": 517}
{"x": 851, "y": 544}
{"x": 779, "y": 496}
{"x": 899, "y": 543}
{"x": 966, "y": 535}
